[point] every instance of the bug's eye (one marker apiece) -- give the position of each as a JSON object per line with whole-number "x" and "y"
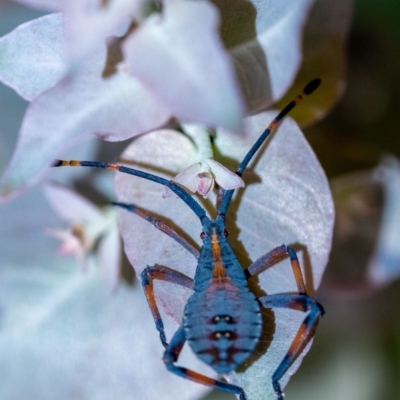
{"x": 202, "y": 235}
{"x": 226, "y": 233}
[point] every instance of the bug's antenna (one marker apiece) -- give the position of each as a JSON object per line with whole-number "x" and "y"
{"x": 192, "y": 203}
{"x": 227, "y": 196}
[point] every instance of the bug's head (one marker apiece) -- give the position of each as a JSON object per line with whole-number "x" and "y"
{"x": 214, "y": 228}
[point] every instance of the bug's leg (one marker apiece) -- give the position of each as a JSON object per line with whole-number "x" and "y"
{"x": 186, "y": 197}
{"x": 171, "y": 355}
{"x": 300, "y": 302}
{"x": 272, "y": 257}
{"x": 160, "y": 225}
{"x": 306, "y": 331}
{"x": 163, "y": 274}
{"x": 227, "y": 196}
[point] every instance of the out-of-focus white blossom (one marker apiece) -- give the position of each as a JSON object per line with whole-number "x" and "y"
{"x": 92, "y": 234}
{"x": 90, "y": 75}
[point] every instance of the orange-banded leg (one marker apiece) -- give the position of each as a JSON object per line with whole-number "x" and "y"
{"x": 180, "y": 192}
{"x": 163, "y": 274}
{"x": 272, "y": 257}
{"x": 171, "y": 355}
{"x": 160, "y": 225}
{"x": 305, "y": 333}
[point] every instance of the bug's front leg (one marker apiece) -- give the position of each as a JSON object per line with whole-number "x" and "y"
{"x": 160, "y": 225}
{"x": 271, "y": 258}
{"x": 306, "y": 331}
{"x": 171, "y": 355}
{"x": 163, "y": 274}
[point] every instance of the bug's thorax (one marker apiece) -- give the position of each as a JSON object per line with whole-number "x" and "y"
{"x": 217, "y": 264}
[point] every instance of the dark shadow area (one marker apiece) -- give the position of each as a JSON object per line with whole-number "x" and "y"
{"x": 238, "y": 28}
{"x": 127, "y": 273}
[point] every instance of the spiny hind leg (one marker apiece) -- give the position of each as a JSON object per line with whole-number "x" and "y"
{"x": 271, "y": 258}
{"x": 306, "y": 331}
{"x": 171, "y": 355}
{"x": 148, "y": 275}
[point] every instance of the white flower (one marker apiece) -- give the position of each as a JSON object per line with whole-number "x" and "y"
{"x": 73, "y": 242}
{"x": 202, "y": 176}
{"x": 175, "y": 64}
{"x": 89, "y": 226}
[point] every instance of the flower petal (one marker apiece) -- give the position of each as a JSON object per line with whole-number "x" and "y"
{"x": 187, "y": 178}
{"x": 287, "y": 200}
{"x": 183, "y": 46}
{"x": 41, "y": 63}
{"x": 69, "y": 205}
{"x": 266, "y": 48}
{"x": 223, "y": 176}
{"x": 115, "y": 109}
{"x": 53, "y": 316}
{"x": 90, "y": 23}
{"x": 205, "y": 184}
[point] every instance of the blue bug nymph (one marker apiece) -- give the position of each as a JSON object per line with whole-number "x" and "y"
{"x": 222, "y": 321}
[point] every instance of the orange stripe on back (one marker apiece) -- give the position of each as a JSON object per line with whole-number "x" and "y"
{"x": 219, "y": 270}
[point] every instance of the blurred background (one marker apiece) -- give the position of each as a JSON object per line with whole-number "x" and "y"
{"x": 356, "y": 352}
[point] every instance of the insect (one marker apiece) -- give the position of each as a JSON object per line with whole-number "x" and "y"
{"x": 222, "y": 320}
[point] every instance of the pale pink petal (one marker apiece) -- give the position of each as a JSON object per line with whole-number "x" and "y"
{"x": 32, "y": 56}
{"x": 223, "y": 176}
{"x": 266, "y": 57}
{"x": 205, "y": 184}
{"x": 179, "y": 57}
{"x": 186, "y": 178}
{"x": 70, "y": 245}
{"x": 287, "y": 200}
{"x": 89, "y": 23}
{"x": 115, "y": 109}
{"x": 69, "y": 205}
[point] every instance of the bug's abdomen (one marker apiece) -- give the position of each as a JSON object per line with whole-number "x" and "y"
{"x": 222, "y": 325}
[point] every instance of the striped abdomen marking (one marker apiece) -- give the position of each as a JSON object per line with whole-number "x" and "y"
{"x": 222, "y": 325}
